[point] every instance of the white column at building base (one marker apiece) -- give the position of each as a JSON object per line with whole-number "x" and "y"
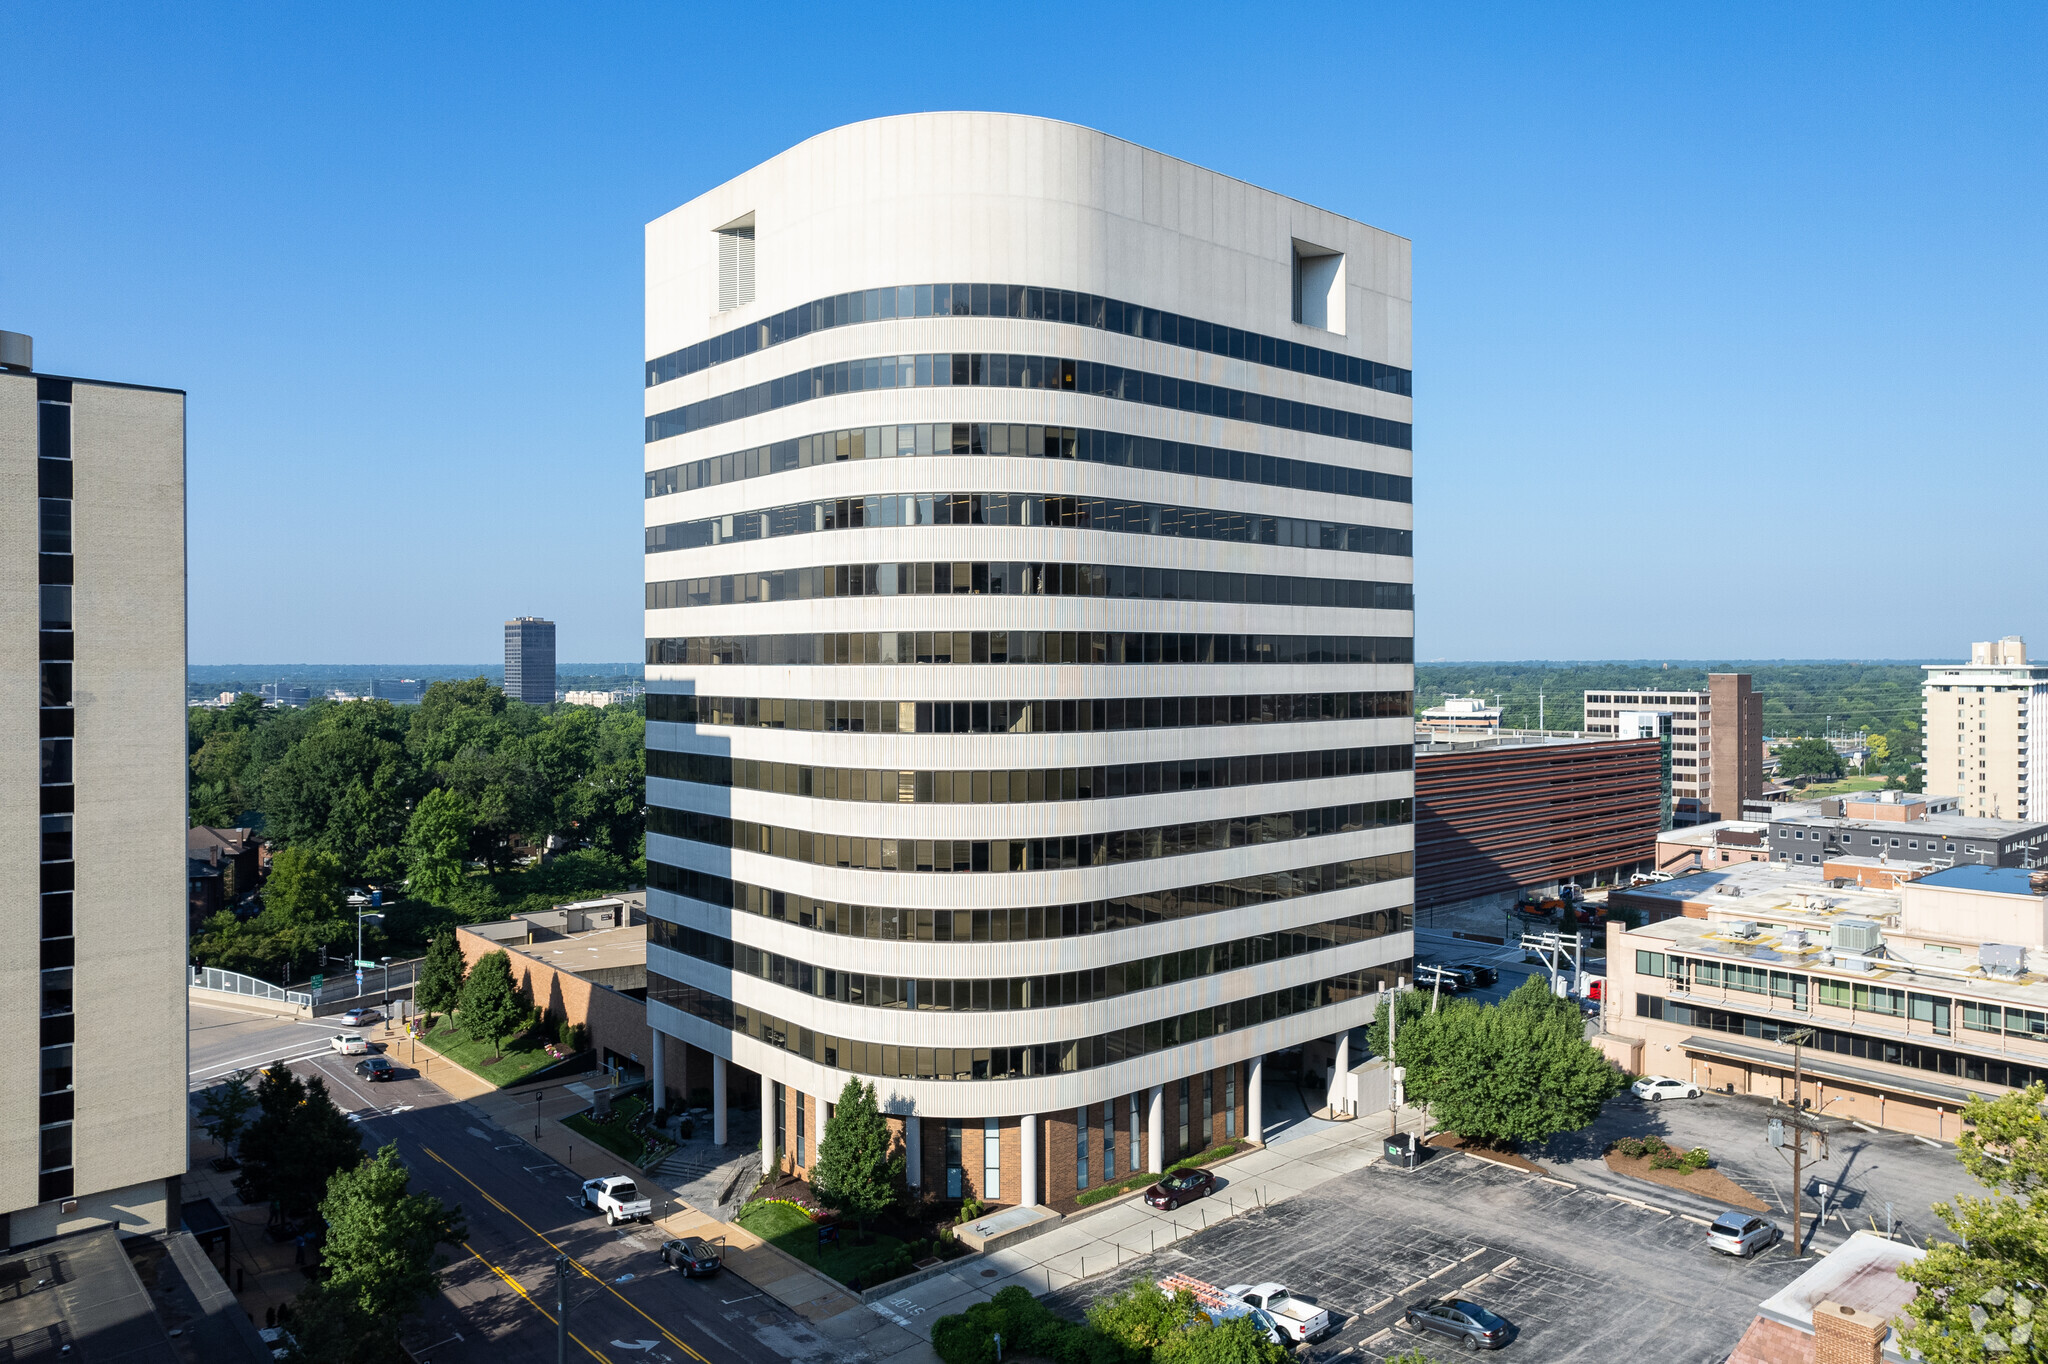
{"x": 1027, "y": 1154}
{"x": 1155, "y": 1129}
{"x": 718, "y": 1120}
{"x": 1255, "y": 1101}
{"x": 913, "y": 1150}
{"x": 767, "y": 1125}
{"x": 656, "y": 1071}
{"x": 1340, "y": 1074}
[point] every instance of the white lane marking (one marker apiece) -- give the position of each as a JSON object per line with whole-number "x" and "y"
{"x": 375, "y": 1110}
{"x": 219, "y": 1069}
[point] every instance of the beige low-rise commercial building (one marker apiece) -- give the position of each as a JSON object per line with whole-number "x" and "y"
{"x": 1908, "y": 1001}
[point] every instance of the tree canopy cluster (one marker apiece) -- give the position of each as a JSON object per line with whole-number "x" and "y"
{"x": 426, "y": 796}
{"x": 1980, "y": 1297}
{"x": 1520, "y": 1071}
{"x": 1809, "y": 758}
{"x": 1140, "y": 1324}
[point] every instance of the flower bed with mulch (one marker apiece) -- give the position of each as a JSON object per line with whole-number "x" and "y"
{"x": 1451, "y": 1141}
{"x": 1709, "y": 1184}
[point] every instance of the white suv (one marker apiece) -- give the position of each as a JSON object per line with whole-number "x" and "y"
{"x": 350, "y": 1044}
{"x": 1655, "y": 1087}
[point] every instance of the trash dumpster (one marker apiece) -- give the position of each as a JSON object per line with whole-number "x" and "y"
{"x": 1403, "y": 1152}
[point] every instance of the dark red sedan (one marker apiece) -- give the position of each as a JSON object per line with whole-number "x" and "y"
{"x": 1183, "y": 1186}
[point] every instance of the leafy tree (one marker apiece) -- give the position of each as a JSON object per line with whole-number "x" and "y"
{"x": 1520, "y": 1071}
{"x": 1980, "y": 1296}
{"x": 491, "y": 1008}
{"x": 439, "y": 987}
{"x": 303, "y": 901}
{"x": 232, "y": 944}
{"x": 297, "y": 1143}
{"x": 1142, "y": 1316}
{"x": 437, "y": 845}
{"x": 1809, "y": 758}
{"x": 345, "y": 788}
{"x": 855, "y": 1174}
{"x": 224, "y": 1112}
{"x": 1240, "y": 1340}
{"x": 381, "y": 1238}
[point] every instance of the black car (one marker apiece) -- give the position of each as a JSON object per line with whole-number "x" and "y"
{"x": 693, "y": 1257}
{"x": 376, "y": 1068}
{"x": 1474, "y": 1326}
{"x": 1484, "y": 975}
{"x": 1431, "y": 975}
{"x": 1183, "y": 1186}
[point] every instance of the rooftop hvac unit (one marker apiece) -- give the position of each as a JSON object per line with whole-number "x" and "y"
{"x": 1740, "y": 928}
{"x": 1859, "y": 936}
{"x": 2002, "y": 959}
{"x": 1793, "y": 938}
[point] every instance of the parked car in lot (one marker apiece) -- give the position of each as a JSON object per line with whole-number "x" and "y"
{"x": 618, "y": 1198}
{"x": 1184, "y": 1186}
{"x": 1473, "y": 1326}
{"x": 693, "y": 1257}
{"x": 1656, "y": 1087}
{"x": 376, "y": 1068}
{"x": 350, "y": 1044}
{"x": 356, "y": 1018}
{"x": 1482, "y": 974}
{"x": 1742, "y": 1234}
{"x": 1298, "y": 1320}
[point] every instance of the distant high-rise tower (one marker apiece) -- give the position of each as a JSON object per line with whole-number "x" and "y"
{"x": 92, "y": 572}
{"x": 530, "y": 660}
{"x": 1978, "y": 743}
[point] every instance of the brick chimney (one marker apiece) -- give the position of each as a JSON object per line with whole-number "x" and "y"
{"x": 1844, "y": 1335}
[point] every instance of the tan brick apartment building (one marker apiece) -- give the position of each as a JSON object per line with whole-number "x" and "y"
{"x": 1911, "y": 1000}
{"x": 1981, "y": 721}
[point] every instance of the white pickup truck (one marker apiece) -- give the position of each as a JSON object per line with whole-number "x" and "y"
{"x": 618, "y": 1198}
{"x": 1297, "y": 1320}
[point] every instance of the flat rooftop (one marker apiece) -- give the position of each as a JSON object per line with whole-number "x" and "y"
{"x": 2003, "y": 880}
{"x": 1748, "y": 889}
{"x": 1943, "y": 826}
{"x": 1905, "y": 965}
{"x": 79, "y": 1298}
{"x": 1439, "y": 741}
{"x": 579, "y": 952}
{"x": 1705, "y": 834}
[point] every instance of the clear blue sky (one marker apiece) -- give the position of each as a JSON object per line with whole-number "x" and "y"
{"x": 1729, "y": 322}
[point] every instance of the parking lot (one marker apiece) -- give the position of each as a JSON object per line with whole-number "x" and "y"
{"x": 1578, "y": 1276}
{"x": 1873, "y": 1169}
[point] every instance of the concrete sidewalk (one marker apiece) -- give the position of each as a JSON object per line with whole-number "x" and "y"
{"x": 1095, "y": 1241}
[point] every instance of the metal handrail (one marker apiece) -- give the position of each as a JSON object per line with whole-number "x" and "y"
{"x": 235, "y": 983}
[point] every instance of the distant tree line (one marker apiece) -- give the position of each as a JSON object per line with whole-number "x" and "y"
{"x": 435, "y": 802}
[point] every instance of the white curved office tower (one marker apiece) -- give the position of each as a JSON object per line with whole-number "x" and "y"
{"x": 1029, "y": 623}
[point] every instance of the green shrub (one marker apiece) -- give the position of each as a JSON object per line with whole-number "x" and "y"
{"x": 970, "y": 1208}
{"x": 1666, "y": 1159}
{"x": 1632, "y": 1147}
{"x": 1695, "y": 1159}
{"x": 1027, "y": 1326}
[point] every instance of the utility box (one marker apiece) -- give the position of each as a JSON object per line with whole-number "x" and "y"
{"x": 1403, "y": 1151}
{"x": 1857, "y": 936}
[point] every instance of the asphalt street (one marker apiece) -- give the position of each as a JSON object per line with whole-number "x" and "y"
{"x": 523, "y": 1211}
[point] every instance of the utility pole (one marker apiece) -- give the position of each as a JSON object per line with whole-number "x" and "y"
{"x": 1799, "y": 1132}
{"x": 561, "y": 1309}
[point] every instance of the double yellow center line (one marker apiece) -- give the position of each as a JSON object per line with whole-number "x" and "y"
{"x": 581, "y": 1268}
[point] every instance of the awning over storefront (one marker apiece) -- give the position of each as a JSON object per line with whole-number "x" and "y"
{"x": 1822, "y": 1067}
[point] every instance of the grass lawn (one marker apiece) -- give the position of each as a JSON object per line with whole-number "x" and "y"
{"x": 1844, "y": 787}
{"x": 789, "y": 1230}
{"x": 615, "y": 1137}
{"x": 522, "y": 1056}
